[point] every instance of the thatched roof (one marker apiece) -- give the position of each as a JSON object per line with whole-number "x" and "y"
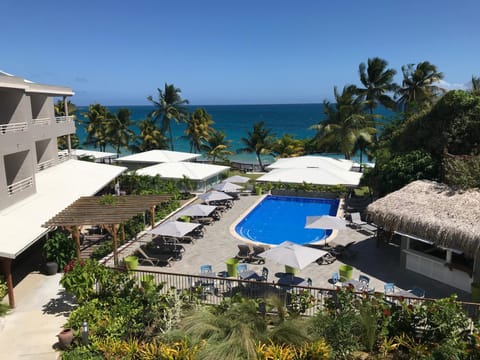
{"x": 432, "y": 211}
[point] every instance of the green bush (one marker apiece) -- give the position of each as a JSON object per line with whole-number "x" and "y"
{"x": 60, "y": 248}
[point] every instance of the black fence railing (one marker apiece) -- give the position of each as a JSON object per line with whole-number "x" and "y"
{"x": 306, "y": 300}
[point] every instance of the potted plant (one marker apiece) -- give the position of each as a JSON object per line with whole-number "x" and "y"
{"x": 58, "y": 250}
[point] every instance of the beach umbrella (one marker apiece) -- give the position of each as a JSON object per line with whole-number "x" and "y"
{"x": 325, "y": 222}
{"x": 197, "y": 210}
{"x": 293, "y": 255}
{"x": 174, "y": 228}
{"x": 214, "y": 196}
{"x": 237, "y": 179}
{"x": 227, "y": 187}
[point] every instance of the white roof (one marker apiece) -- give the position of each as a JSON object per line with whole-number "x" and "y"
{"x": 313, "y": 176}
{"x": 57, "y": 187}
{"x": 177, "y": 170}
{"x": 93, "y": 153}
{"x": 158, "y": 156}
{"x": 311, "y": 161}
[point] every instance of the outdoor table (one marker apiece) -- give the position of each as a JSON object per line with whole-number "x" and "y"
{"x": 292, "y": 281}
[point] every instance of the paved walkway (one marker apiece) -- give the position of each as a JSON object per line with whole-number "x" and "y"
{"x": 29, "y": 331}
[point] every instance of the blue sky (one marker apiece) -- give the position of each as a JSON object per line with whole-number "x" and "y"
{"x": 231, "y": 52}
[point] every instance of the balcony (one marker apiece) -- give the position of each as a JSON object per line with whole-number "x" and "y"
{"x": 46, "y": 164}
{"x": 13, "y": 128}
{"x": 41, "y": 121}
{"x": 20, "y": 186}
{"x": 63, "y": 119}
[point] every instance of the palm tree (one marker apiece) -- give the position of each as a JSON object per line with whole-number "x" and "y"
{"x": 198, "y": 128}
{"x": 169, "y": 106}
{"x": 97, "y": 119}
{"x": 419, "y": 85}
{"x": 345, "y": 123}
{"x": 378, "y": 81}
{"x": 150, "y": 137}
{"x": 59, "y": 108}
{"x": 259, "y": 142}
{"x": 287, "y": 146}
{"x": 118, "y": 130}
{"x": 216, "y": 146}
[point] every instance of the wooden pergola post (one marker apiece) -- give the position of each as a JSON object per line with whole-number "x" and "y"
{"x": 115, "y": 249}
{"x": 76, "y": 236}
{"x": 152, "y": 211}
{"x": 7, "y": 272}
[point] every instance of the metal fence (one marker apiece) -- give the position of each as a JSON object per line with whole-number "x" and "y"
{"x": 306, "y": 300}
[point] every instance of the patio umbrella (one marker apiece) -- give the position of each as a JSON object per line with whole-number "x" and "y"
{"x": 293, "y": 255}
{"x": 227, "y": 187}
{"x": 214, "y": 196}
{"x": 173, "y": 228}
{"x": 197, "y": 210}
{"x": 237, "y": 179}
{"x": 325, "y": 222}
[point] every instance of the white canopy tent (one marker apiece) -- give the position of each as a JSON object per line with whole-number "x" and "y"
{"x": 157, "y": 156}
{"x": 57, "y": 187}
{"x": 315, "y": 176}
{"x": 203, "y": 174}
{"x": 311, "y": 161}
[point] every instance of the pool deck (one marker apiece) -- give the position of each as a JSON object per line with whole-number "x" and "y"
{"x": 381, "y": 264}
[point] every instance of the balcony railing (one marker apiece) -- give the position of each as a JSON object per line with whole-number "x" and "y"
{"x": 13, "y": 128}
{"x": 46, "y": 164}
{"x": 63, "y": 155}
{"x": 20, "y": 185}
{"x": 63, "y": 119}
{"x": 41, "y": 121}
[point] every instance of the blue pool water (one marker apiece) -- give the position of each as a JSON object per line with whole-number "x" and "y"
{"x": 280, "y": 218}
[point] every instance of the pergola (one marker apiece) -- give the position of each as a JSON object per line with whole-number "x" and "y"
{"x": 109, "y": 212}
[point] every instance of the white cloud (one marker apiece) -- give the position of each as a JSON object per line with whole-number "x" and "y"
{"x": 452, "y": 86}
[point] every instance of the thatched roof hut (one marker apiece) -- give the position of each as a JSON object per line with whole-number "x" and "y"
{"x": 432, "y": 211}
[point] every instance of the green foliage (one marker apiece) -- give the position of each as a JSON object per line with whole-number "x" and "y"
{"x": 102, "y": 250}
{"x": 462, "y": 172}
{"x": 259, "y": 141}
{"x": 400, "y": 170}
{"x": 3, "y": 287}
{"x": 59, "y": 247}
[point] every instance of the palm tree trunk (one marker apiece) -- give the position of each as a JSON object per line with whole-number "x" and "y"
{"x": 260, "y": 162}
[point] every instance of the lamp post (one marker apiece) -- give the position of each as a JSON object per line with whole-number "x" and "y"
{"x": 84, "y": 333}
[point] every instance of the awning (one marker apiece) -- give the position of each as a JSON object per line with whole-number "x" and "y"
{"x": 315, "y": 176}
{"x": 179, "y": 170}
{"x": 157, "y": 156}
{"x": 57, "y": 187}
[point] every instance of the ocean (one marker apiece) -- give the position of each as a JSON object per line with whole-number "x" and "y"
{"x": 236, "y": 121}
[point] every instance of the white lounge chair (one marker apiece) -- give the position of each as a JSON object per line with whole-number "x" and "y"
{"x": 357, "y": 221}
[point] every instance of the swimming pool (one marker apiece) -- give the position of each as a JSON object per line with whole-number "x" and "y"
{"x": 279, "y": 218}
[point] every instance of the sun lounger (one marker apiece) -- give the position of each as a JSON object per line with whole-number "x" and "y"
{"x": 143, "y": 258}
{"x": 357, "y": 221}
{"x": 258, "y": 249}
{"x": 244, "y": 252}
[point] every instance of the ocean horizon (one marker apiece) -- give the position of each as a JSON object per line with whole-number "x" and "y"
{"x": 235, "y": 121}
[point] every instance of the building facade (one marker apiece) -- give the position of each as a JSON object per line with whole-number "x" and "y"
{"x": 28, "y": 134}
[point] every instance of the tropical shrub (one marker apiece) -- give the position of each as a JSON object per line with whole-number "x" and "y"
{"x": 59, "y": 247}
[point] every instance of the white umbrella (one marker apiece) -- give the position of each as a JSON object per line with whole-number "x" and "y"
{"x": 293, "y": 255}
{"x": 237, "y": 179}
{"x": 227, "y": 187}
{"x": 197, "y": 210}
{"x": 214, "y": 196}
{"x": 174, "y": 228}
{"x": 325, "y": 222}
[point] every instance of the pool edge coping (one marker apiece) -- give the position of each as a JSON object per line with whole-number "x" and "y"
{"x": 232, "y": 231}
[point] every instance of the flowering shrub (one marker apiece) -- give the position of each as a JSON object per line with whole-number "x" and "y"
{"x": 80, "y": 276}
